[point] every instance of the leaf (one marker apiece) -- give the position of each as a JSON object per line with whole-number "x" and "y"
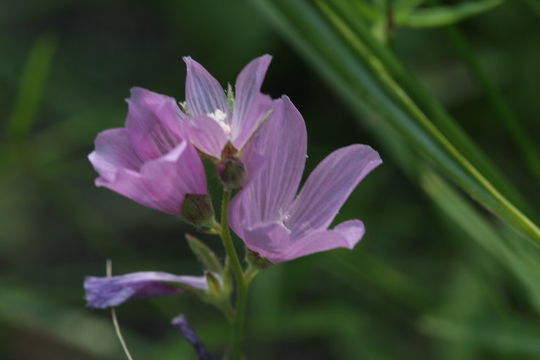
{"x": 31, "y": 88}
{"x": 520, "y": 257}
{"x": 205, "y": 255}
{"x": 445, "y": 15}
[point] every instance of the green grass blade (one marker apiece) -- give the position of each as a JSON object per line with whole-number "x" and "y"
{"x": 520, "y": 257}
{"x": 367, "y": 81}
{"x": 31, "y": 88}
{"x": 445, "y": 15}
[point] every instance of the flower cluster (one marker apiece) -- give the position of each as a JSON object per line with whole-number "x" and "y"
{"x": 259, "y": 147}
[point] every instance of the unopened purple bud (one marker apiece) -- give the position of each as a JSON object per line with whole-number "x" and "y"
{"x": 198, "y": 211}
{"x": 232, "y": 173}
{"x": 181, "y": 323}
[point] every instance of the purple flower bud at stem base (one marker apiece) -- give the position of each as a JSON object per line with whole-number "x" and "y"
{"x": 180, "y": 322}
{"x": 198, "y": 211}
{"x": 231, "y": 173}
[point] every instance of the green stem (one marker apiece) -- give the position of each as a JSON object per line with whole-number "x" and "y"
{"x": 241, "y": 284}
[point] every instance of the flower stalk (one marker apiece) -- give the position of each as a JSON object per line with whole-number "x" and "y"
{"x": 241, "y": 284}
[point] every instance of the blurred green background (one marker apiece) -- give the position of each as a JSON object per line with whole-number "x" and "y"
{"x": 420, "y": 285}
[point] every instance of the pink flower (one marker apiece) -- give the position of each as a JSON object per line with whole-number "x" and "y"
{"x": 210, "y": 122}
{"x": 149, "y": 161}
{"x": 153, "y": 160}
{"x": 104, "y": 292}
{"x": 271, "y": 218}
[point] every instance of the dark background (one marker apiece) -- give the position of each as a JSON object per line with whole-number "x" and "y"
{"x": 65, "y": 68}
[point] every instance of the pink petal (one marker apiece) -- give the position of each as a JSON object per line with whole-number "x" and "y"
{"x": 329, "y": 186}
{"x": 247, "y": 91}
{"x": 103, "y": 292}
{"x": 282, "y": 144}
{"x": 162, "y": 183}
{"x": 269, "y": 240}
{"x": 274, "y": 242}
{"x": 113, "y": 151}
{"x": 345, "y": 235}
{"x": 204, "y": 95}
{"x": 206, "y": 135}
{"x": 258, "y": 114}
{"x": 153, "y": 123}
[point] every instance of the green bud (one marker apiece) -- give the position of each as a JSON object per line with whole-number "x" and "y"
{"x": 198, "y": 211}
{"x": 231, "y": 173}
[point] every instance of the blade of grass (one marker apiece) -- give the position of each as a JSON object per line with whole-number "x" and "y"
{"x": 522, "y": 263}
{"x": 445, "y": 15}
{"x": 31, "y": 88}
{"x": 363, "y": 78}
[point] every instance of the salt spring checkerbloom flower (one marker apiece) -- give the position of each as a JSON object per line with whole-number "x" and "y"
{"x": 148, "y": 161}
{"x": 259, "y": 147}
{"x": 104, "y": 292}
{"x": 272, "y": 219}
{"x": 153, "y": 160}
{"x": 211, "y": 122}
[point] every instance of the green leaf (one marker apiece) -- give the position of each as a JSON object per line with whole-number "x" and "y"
{"x": 445, "y": 15}
{"x": 31, "y": 88}
{"x": 205, "y": 255}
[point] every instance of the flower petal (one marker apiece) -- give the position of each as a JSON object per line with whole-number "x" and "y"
{"x": 162, "y": 183}
{"x": 281, "y": 142}
{"x": 206, "y": 135}
{"x": 345, "y": 235}
{"x": 113, "y": 151}
{"x": 269, "y": 240}
{"x": 103, "y": 292}
{"x": 258, "y": 114}
{"x": 204, "y": 95}
{"x": 329, "y": 186}
{"x": 247, "y": 89}
{"x": 153, "y": 123}
{"x": 180, "y": 322}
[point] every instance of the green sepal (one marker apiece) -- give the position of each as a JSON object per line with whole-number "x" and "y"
{"x": 183, "y": 106}
{"x": 214, "y": 287}
{"x": 257, "y": 261}
{"x": 205, "y": 255}
{"x": 198, "y": 211}
{"x": 230, "y": 96}
{"x": 232, "y": 173}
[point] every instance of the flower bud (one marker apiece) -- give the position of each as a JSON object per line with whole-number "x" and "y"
{"x": 198, "y": 211}
{"x": 231, "y": 173}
